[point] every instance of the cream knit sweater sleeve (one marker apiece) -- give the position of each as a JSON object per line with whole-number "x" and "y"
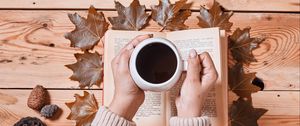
{"x": 105, "y": 117}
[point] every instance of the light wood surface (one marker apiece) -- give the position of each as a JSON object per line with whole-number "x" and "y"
{"x": 33, "y": 51}
{"x": 236, "y": 5}
{"x": 29, "y": 34}
{"x": 13, "y": 106}
{"x": 279, "y": 120}
{"x": 12, "y": 110}
{"x": 278, "y": 103}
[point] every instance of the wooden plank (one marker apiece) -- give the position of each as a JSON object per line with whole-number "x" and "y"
{"x": 278, "y": 58}
{"x": 236, "y": 5}
{"x": 38, "y": 50}
{"x": 279, "y": 121}
{"x": 30, "y": 34}
{"x": 276, "y": 102}
{"x": 13, "y": 106}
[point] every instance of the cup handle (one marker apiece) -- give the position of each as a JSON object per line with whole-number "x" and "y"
{"x": 185, "y": 65}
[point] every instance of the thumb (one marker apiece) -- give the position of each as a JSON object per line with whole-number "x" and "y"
{"x": 194, "y": 67}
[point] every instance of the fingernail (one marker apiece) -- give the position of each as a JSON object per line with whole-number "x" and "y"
{"x": 129, "y": 47}
{"x": 150, "y": 35}
{"x": 193, "y": 53}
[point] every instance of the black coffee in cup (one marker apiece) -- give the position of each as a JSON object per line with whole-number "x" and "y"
{"x": 156, "y": 63}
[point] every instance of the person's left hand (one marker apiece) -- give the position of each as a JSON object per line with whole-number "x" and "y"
{"x": 128, "y": 97}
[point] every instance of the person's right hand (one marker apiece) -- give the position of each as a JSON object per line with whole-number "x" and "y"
{"x": 201, "y": 76}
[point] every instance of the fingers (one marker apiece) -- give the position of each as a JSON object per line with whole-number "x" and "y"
{"x": 139, "y": 39}
{"x": 133, "y": 43}
{"x": 209, "y": 71}
{"x": 194, "y": 67}
{"x": 124, "y": 59}
{"x": 207, "y": 63}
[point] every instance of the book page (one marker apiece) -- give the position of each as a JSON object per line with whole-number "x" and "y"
{"x": 152, "y": 112}
{"x": 201, "y": 40}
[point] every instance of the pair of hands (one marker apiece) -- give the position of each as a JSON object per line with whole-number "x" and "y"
{"x": 201, "y": 75}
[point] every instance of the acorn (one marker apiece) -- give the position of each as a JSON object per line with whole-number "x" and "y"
{"x": 37, "y": 98}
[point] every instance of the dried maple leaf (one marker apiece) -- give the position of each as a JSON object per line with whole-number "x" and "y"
{"x": 83, "y": 109}
{"x": 214, "y": 17}
{"x": 133, "y": 17}
{"x": 242, "y": 113}
{"x": 240, "y": 82}
{"x": 178, "y": 21}
{"x": 241, "y": 45}
{"x": 88, "y": 31}
{"x": 170, "y": 16}
{"x": 88, "y": 69}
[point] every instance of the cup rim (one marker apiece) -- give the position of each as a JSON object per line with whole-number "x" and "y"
{"x": 141, "y": 82}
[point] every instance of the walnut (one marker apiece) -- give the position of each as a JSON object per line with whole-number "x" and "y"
{"x": 37, "y": 98}
{"x": 30, "y": 121}
{"x": 49, "y": 110}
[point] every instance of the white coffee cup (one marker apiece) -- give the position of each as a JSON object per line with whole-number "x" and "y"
{"x": 145, "y": 84}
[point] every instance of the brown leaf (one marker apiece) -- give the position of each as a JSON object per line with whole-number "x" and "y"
{"x": 241, "y": 45}
{"x": 88, "y": 69}
{"x": 178, "y": 21}
{"x": 133, "y": 17}
{"x": 242, "y": 113}
{"x": 83, "y": 109}
{"x": 88, "y": 31}
{"x": 214, "y": 17}
{"x": 240, "y": 82}
{"x": 170, "y": 16}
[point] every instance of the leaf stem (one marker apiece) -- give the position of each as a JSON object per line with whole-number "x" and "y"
{"x": 160, "y": 30}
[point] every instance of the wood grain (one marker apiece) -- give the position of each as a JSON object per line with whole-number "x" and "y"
{"x": 33, "y": 51}
{"x": 276, "y": 102}
{"x": 34, "y": 42}
{"x": 282, "y": 120}
{"x": 278, "y": 58}
{"x": 11, "y": 113}
{"x": 236, "y": 5}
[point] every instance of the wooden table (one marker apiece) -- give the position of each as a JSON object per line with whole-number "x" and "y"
{"x": 33, "y": 51}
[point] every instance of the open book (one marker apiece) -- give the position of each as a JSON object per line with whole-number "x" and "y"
{"x": 159, "y": 107}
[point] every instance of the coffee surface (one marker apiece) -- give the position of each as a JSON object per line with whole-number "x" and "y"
{"x": 156, "y": 63}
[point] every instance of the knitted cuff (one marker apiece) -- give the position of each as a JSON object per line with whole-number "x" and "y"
{"x": 196, "y": 121}
{"x": 105, "y": 117}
